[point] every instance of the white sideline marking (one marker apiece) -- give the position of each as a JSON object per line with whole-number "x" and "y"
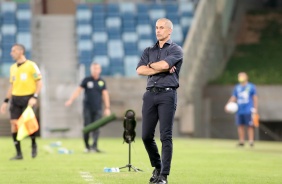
{"x": 86, "y": 176}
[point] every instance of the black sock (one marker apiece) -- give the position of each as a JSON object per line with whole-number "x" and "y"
{"x": 164, "y": 175}
{"x": 17, "y": 143}
{"x": 86, "y": 140}
{"x": 33, "y": 142}
{"x": 158, "y": 167}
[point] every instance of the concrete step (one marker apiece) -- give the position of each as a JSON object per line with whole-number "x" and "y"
{"x": 5, "y": 129}
{"x": 58, "y": 56}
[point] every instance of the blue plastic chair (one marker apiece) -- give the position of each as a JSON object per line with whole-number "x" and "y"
{"x": 129, "y": 37}
{"x": 8, "y": 29}
{"x": 8, "y": 7}
{"x": 115, "y": 49}
{"x": 142, "y": 8}
{"x": 98, "y": 8}
{"x": 130, "y": 64}
{"x": 25, "y": 39}
{"x": 127, "y": 7}
{"x": 99, "y": 37}
{"x": 114, "y": 33}
{"x": 171, "y": 7}
{"x": 142, "y": 44}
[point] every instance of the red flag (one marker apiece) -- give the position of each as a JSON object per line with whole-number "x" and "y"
{"x": 255, "y": 119}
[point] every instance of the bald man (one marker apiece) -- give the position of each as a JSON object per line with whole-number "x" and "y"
{"x": 245, "y": 95}
{"x": 161, "y": 63}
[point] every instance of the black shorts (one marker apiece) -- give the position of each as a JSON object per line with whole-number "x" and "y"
{"x": 18, "y": 105}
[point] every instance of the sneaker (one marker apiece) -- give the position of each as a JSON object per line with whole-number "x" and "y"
{"x": 240, "y": 144}
{"x": 251, "y": 144}
{"x": 87, "y": 150}
{"x": 17, "y": 157}
{"x": 34, "y": 151}
{"x": 162, "y": 180}
{"x": 155, "y": 176}
{"x": 96, "y": 150}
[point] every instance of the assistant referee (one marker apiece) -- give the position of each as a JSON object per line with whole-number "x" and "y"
{"x": 25, "y": 85}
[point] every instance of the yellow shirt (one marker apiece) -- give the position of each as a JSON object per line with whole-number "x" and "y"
{"x": 23, "y": 78}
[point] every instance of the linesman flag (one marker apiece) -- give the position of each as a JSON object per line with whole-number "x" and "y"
{"x": 27, "y": 124}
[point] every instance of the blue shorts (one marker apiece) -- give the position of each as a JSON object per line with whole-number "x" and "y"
{"x": 244, "y": 119}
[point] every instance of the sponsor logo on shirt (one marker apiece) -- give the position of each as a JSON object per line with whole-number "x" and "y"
{"x": 23, "y": 76}
{"x": 90, "y": 84}
{"x": 243, "y": 95}
{"x": 36, "y": 75}
{"x": 101, "y": 83}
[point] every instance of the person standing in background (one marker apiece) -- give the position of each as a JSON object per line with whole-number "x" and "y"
{"x": 95, "y": 91}
{"x": 25, "y": 86}
{"x": 245, "y": 95}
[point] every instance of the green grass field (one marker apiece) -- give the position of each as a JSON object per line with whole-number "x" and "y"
{"x": 194, "y": 161}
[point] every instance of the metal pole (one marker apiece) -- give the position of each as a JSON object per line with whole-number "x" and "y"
{"x": 129, "y": 155}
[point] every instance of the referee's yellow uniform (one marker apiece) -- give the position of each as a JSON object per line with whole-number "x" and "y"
{"x": 23, "y": 78}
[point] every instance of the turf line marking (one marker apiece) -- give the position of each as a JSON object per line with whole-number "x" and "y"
{"x": 86, "y": 176}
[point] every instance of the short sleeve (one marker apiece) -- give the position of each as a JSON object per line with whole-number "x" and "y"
{"x": 144, "y": 58}
{"x": 36, "y": 74}
{"x": 175, "y": 55}
{"x": 83, "y": 83}
{"x": 234, "y": 93}
{"x": 11, "y": 75}
{"x": 254, "y": 90}
{"x": 102, "y": 84}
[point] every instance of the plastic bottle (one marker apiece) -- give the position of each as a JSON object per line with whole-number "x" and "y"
{"x": 56, "y": 144}
{"x": 113, "y": 169}
{"x": 64, "y": 151}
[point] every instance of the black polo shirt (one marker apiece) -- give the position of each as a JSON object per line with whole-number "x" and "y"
{"x": 93, "y": 93}
{"x": 172, "y": 54}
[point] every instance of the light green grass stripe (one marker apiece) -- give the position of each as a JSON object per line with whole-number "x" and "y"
{"x": 194, "y": 161}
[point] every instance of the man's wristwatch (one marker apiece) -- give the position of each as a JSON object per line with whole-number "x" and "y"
{"x": 35, "y": 95}
{"x": 150, "y": 64}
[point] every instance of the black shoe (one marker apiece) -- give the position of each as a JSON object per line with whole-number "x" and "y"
{"x": 155, "y": 176}
{"x": 34, "y": 151}
{"x": 17, "y": 157}
{"x": 162, "y": 180}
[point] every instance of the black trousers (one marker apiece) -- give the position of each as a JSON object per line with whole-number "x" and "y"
{"x": 90, "y": 116}
{"x": 159, "y": 106}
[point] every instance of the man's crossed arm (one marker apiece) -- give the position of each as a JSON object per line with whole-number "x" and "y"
{"x": 155, "y": 68}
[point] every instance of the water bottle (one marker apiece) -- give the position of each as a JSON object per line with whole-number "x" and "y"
{"x": 56, "y": 144}
{"x": 113, "y": 169}
{"x": 106, "y": 169}
{"x": 64, "y": 151}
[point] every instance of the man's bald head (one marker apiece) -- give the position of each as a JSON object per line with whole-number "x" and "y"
{"x": 168, "y": 22}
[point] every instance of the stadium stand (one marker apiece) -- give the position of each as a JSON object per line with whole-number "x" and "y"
{"x": 15, "y": 27}
{"x": 116, "y": 34}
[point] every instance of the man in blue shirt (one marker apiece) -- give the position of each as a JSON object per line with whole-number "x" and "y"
{"x": 245, "y": 95}
{"x": 161, "y": 63}
{"x": 95, "y": 93}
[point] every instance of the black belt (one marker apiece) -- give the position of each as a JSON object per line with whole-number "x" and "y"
{"x": 157, "y": 89}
